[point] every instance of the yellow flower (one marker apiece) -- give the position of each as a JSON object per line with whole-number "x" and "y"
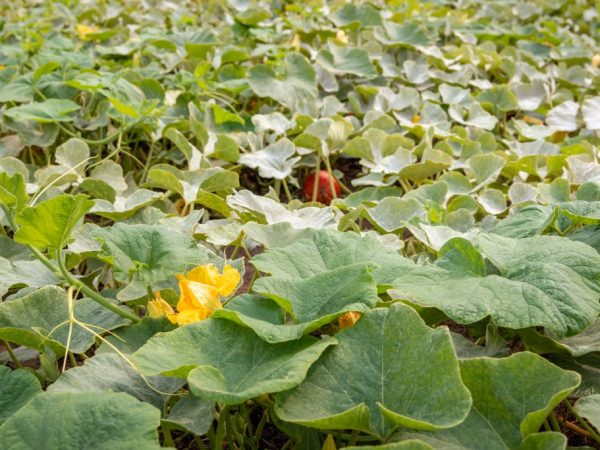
{"x": 208, "y": 274}
{"x": 349, "y": 319}
{"x": 200, "y": 289}
{"x": 83, "y": 31}
{"x": 197, "y": 296}
{"x": 158, "y": 307}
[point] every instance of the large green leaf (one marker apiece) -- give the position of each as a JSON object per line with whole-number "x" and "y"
{"x": 228, "y": 363}
{"x": 274, "y": 161}
{"x": 17, "y": 387}
{"x": 343, "y": 60}
{"x": 296, "y": 91}
{"x": 12, "y": 190}
{"x": 24, "y": 272}
{"x": 40, "y": 319}
{"x": 326, "y": 250}
{"x": 110, "y": 372}
{"x": 146, "y": 255}
{"x": 543, "y": 281}
{"x": 50, "y": 223}
{"x": 369, "y": 380}
{"x": 98, "y": 420}
{"x": 511, "y": 399}
{"x": 192, "y": 184}
{"x": 323, "y": 297}
{"x": 49, "y": 111}
{"x": 263, "y": 316}
{"x": 589, "y": 408}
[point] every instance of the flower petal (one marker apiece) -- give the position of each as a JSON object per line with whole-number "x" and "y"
{"x": 196, "y": 295}
{"x": 159, "y": 307}
{"x": 229, "y": 281}
{"x": 206, "y": 274}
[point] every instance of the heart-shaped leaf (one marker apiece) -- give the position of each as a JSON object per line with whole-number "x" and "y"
{"x": 228, "y": 363}
{"x": 369, "y": 380}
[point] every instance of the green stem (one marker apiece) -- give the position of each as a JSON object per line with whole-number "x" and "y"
{"x": 107, "y": 139}
{"x": 315, "y": 191}
{"x": 12, "y": 355}
{"x": 353, "y": 438}
{"x": 277, "y": 187}
{"x": 259, "y": 429}
{"x": 229, "y": 431}
{"x": 330, "y": 172}
{"x": 147, "y": 164}
{"x": 554, "y": 422}
{"x": 286, "y": 189}
{"x": 582, "y": 422}
{"x": 220, "y": 434}
{"x": 167, "y": 438}
{"x": 405, "y": 185}
{"x": 69, "y": 278}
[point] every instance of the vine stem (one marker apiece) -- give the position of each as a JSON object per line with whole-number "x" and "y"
{"x": 330, "y": 172}
{"x": 62, "y": 272}
{"x": 12, "y": 355}
{"x": 69, "y": 278}
{"x": 286, "y": 189}
{"x": 220, "y": 434}
{"x": 593, "y": 433}
{"x": 317, "y": 170}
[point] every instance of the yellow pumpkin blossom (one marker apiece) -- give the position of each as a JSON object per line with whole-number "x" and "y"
{"x": 209, "y": 274}
{"x": 199, "y": 291}
{"x": 349, "y": 319}
{"x": 158, "y": 307}
{"x": 83, "y": 31}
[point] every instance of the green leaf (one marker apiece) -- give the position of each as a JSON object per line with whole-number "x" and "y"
{"x": 295, "y": 91}
{"x": 262, "y": 315}
{"x": 393, "y": 213}
{"x": 17, "y": 387}
{"x": 368, "y": 381}
{"x": 98, "y": 420}
{"x": 511, "y": 399}
{"x": 589, "y": 408}
{"x": 320, "y": 299}
{"x": 347, "y": 60}
{"x": 274, "y": 161}
{"x": 40, "y": 319}
{"x": 130, "y": 338}
{"x": 528, "y": 221}
{"x": 147, "y": 255}
{"x": 543, "y": 281}
{"x": 500, "y": 97}
{"x": 50, "y": 223}
{"x": 110, "y": 372}
{"x": 192, "y": 414}
{"x": 32, "y": 273}
{"x": 12, "y": 191}
{"x": 589, "y": 110}
{"x": 192, "y": 185}
{"x": 253, "y": 15}
{"x": 563, "y": 117}
{"x": 228, "y": 363}
{"x": 221, "y": 116}
{"x": 328, "y": 250}
{"x": 407, "y": 34}
{"x": 350, "y": 15}
{"x": 49, "y": 111}
{"x": 412, "y": 444}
